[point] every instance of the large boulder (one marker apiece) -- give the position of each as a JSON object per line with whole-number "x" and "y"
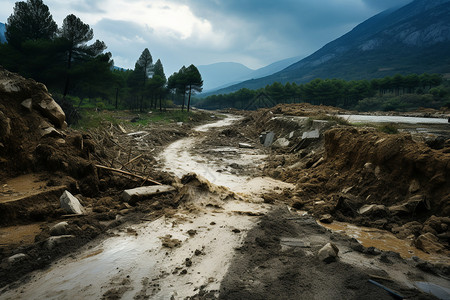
{"x": 71, "y": 204}
{"x": 51, "y": 110}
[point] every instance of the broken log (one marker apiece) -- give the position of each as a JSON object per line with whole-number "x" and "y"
{"x": 128, "y": 173}
{"x": 135, "y": 194}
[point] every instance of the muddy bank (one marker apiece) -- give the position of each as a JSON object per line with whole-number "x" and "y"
{"x": 398, "y": 182}
{"x": 265, "y": 267}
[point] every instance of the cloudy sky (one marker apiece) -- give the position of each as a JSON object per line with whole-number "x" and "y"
{"x": 182, "y": 32}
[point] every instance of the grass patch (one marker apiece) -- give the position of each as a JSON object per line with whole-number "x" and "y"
{"x": 388, "y": 128}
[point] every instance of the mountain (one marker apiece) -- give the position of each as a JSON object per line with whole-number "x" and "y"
{"x": 412, "y": 39}
{"x": 222, "y": 75}
{"x": 2, "y": 33}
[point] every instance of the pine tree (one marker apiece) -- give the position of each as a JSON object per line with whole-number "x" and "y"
{"x": 31, "y": 20}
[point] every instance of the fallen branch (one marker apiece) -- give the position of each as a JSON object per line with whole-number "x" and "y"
{"x": 128, "y": 173}
{"x": 130, "y": 161}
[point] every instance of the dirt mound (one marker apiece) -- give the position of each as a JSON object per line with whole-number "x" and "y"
{"x": 357, "y": 174}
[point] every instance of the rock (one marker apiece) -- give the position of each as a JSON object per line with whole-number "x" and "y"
{"x": 411, "y": 228}
{"x": 371, "y": 209}
{"x": 27, "y": 104}
{"x": 369, "y": 167}
{"x": 414, "y": 186}
{"x": 71, "y": 204}
{"x": 245, "y": 145}
{"x": 54, "y": 241}
{"x": 328, "y": 253}
{"x": 327, "y": 219}
{"x": 314, "y": 134}
{"x": 51, "y": 110}
{"x": 51, "y": 132}
{"x": 136, "y": 194}
{"x": 281, "y": 143}
{"x": 16, "y": 258}
{"x": 59, "y": 229}
{"x": 9, "y": 86}
{"x": 414, "y": 204}
{"x": 428, "y": 243}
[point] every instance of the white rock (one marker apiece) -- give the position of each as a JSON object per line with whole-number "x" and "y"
{"x": 328, "y": 253}
{"x": 50, "y": 109}
{"x": 59, "y": 229}
{"x": 245, "y": 145}
{"x": 71, "y": 204}
{"x": 16, "y": 258}
{"x": 27, "y": 104}
{"x": 371, "y": 208}
{"x": 54, "y": 241}
{"x": 281, "y": 143}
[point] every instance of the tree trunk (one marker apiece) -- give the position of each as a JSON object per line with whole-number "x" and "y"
{"x": 189, "y": 99}
{"x": 117, "y": 96}
{"x": 69, "y": 65}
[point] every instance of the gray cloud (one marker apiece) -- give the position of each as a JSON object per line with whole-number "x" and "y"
{"x": 253, "y": 32}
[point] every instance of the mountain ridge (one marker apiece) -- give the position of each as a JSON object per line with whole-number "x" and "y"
{"x": 393, "y": 41}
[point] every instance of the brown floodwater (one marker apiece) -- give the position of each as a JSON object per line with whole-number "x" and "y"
{"x": 384, "y": 240}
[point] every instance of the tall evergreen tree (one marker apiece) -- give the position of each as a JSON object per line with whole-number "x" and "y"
{"x": 77, "y": 34}
{"x": 194, "y": 82}
{"x": 30, "y": 20}
{"x": 143, "y": 69}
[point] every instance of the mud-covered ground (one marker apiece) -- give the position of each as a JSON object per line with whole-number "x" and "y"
{"x": 248, "y": 239}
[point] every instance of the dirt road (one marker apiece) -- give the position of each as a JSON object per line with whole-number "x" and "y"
{"x": 223, "y": 243}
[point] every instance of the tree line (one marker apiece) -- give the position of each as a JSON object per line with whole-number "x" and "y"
{"x": 336, "y": 92}
{"x": 79, "y": 70}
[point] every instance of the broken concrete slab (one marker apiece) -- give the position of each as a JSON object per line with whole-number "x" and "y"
{"x": 328, "y": 253}
{"x": 266, "y": 138}
{"x": 71, "y": 204}
{"x": 59, "y": 229}
{"x": 133, "y": 195}
{"x": 314, "y": 134}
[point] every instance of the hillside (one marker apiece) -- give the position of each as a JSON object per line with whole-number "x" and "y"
{"x": 2, "y": 33}
{"x": 224, "y": 74}
{"x": 412, "y": 39}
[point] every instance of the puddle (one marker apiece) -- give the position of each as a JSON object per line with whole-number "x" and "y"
{"x": 383, "y": 240}
{"x": 393, "y": 119}
{"x": 19, "y": 235}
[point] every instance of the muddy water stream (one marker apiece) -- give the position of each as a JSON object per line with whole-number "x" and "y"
{"x": 169, "y": 257}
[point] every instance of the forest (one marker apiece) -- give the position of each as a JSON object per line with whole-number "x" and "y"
{"x": 398, "y": 92}
{"x": 79, "y": 72}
